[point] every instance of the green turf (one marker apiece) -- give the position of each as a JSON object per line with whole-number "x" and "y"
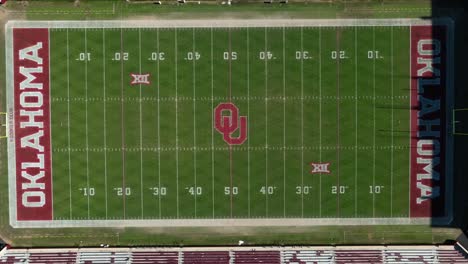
{"x": 327, "y": 127}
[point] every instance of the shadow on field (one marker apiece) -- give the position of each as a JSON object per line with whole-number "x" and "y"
{"x": 454, "y": 9}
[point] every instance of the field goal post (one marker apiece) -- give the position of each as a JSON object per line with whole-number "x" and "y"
{"x": 460, "y": 121}
{"x": 4, "y": 123}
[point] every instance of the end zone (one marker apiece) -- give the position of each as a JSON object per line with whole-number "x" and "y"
{"x": 430, "y": 140}
{"x": 30, "y": 135}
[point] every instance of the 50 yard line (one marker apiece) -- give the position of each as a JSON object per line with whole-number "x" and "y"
{"x": 212, "y": 126}
{"x": 266, "y": 122}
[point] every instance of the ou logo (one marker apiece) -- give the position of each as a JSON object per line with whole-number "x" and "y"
{"x": 228, "y": 124}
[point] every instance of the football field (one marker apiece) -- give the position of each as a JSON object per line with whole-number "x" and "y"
{"x": 164, "y": 123}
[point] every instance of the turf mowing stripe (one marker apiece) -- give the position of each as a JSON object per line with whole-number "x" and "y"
{"x": 141, "y": 127}
{"x": 373, "y": 130}
{"x": 338, "y": 36}
{"x": 194, "y": 125}
{"x": 86, "y": 111}
{"x": 284, "y": 124}
{"x": 68, "y": 129}
{"x": 104, "y": 111}
{"x": 392, "y": 132}
{"x": 176, "y": 122}
{"x": 355, "y": 123}
{"x": 320, "y": 117}
{"x": 159, "y": 126}
{"x": 122, "y": 116}
{"x": 302, "y": 122}
{"x": 212, "y": 126}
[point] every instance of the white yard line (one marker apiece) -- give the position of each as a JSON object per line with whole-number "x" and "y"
{"x": 68, "y": 128}
{"x": 284, "y": 124}
{"x": 212, "y": 127}
{"x": 194, "y": 124}
{"x": 190, "y": 148}
{"x": 159, "y": 129}
{"x": 223, "y": 23}
{"x": 105, "y": 114}
{"x": 266, "y": 123}
{"x": 248, "y": 126}
{"x": 277, "y": 98}
{"x": 86, "y": 117}
{"x": 373, "y": 114}
{"x": 392, "y": 153}
{"x": 141, "y": 127}
{"x": 355, "y": 123}
{"x": 302, "y": 122}
{"x": 320, "y": 118}
{"x": 176, "y": 124}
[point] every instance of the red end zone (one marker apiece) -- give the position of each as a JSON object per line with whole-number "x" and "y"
{"x": 32, "y": 124}
{"x": 428, "y": 131}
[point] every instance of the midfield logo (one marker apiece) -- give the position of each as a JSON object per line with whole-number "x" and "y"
{"x": 140, "y": 79}
{"x": 229, "y": 124}
{"x": 320, "y": 168}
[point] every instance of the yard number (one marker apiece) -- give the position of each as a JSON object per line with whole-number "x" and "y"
{"x": 120, "y": 191}
{"x": 302, "y": 55}
{"x": 84, "y": 56}
{"x": 339, "y": 189}
{"x": 230, "y": 55}
{"x": 227, "y": 190}
{"x": 266, "y": 55}
{"x": 120, "y": 56}
{"x": 87, "y": 191}
{"x": 303, "y": 189}
{"x": 373, "y": 54}
{"x": 267, "y": 189}
{"x": 193, "y": 55}
{"x": 340, "y": 54}
{"x": 157, "y": 56}
{"x": 377, "y": 189}
{"x": 159, "y": 191}
{"x": 195, "y": 190}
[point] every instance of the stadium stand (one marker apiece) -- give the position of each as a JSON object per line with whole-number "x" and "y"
{"x": 241, "y": 255}
{"x": 257, "y": 256}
